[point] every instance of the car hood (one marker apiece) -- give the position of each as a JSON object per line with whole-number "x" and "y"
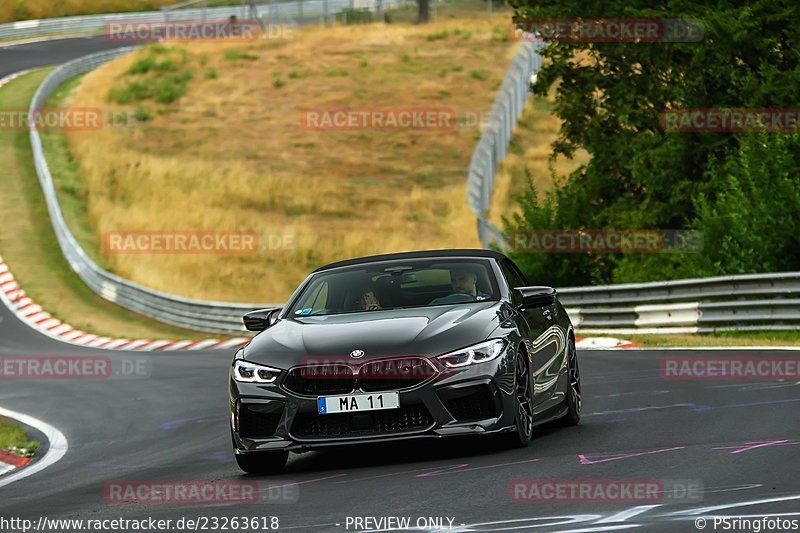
{"x": 425, "y": 331}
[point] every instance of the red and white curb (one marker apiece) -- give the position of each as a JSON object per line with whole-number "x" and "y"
{"x": 11, "y": 461}
{"x": 57, "y": 447}
{"x": 602, "y": 343}
{"x": 33, "y": 315}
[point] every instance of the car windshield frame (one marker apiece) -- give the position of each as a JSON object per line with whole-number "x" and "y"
{"x": 399, "y": 268}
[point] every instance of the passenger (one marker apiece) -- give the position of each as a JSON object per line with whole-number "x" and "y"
{"x": 369, "y": 302}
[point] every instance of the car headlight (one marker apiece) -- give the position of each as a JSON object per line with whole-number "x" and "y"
{"x": 480, "y": 353}
{"x": 247, "y": 372}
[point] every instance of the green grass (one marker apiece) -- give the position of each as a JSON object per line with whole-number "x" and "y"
{"x": 235, "y": 55}
{"x": 27, "y": 242}
{"x": 160, "y": 73}
{"x": 478, "y": 74}
{"x": 721, "y": 339}
{"x": 13, "y": 439}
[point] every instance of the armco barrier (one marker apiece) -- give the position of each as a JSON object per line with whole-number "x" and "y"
{"x": 744, "y": 302}
{"x": 298, "y": 11}
{"x": 496, "y": 136}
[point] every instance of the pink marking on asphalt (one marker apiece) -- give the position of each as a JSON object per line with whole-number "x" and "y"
{"x": 586, "y": 461}
{"x": 307, "y": 481}
{"x": 755, "y": 445}
{"x": 451, "y": 471}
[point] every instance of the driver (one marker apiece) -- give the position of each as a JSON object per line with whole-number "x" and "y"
{"x": 465, "y": 281}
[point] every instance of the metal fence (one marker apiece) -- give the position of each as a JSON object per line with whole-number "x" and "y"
{"x": 493, "y": 145}
{"x": 297, "y": 11}
{"x": 744, "y": 302}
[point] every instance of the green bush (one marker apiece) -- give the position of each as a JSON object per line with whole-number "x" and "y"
{"x": 141, "y": 114}
{"x": 143, "y": 65}
{"x": 740, "y": 191}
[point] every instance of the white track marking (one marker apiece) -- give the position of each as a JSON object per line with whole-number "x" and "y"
{"x": 57, "y": 448}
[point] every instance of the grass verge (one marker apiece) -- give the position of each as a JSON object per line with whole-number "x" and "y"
{"x": 28, "y": 245}
{"x": 721, "y": 339}
{"x": 14, "y": 440}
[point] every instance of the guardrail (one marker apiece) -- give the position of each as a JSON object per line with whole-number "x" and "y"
{"x": 743, "y": 302}
{"x": 496, "y": 136}
{"x": 95, "y": 23}
{"x": 298, "y": 11}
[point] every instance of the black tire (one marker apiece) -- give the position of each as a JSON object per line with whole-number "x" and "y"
{"x": 523, "y": 403}
{"x": 574, "y": 401}
{"x": 262, "y": 462}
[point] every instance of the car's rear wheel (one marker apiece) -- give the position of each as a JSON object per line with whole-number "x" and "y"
{"x": 262, "y": 462}
{"x": 573, "y": 401}
{"x": 523, "y": 402}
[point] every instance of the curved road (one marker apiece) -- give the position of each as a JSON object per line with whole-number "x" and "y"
{"x": 739, "y": 440}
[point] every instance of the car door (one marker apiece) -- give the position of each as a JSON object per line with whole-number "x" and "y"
{"x": 546, "y": 344}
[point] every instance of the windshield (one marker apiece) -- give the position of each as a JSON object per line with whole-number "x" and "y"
{"x": 397, "y": 284}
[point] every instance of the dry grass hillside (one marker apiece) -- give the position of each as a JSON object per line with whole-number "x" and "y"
{"x": 218, "y": 144}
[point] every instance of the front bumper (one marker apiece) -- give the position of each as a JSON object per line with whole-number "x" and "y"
{"x": 468, "y": 401}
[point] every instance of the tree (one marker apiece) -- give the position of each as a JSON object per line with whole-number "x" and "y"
{"x": 423, "y": 16}
{"x": 610, "y": 97}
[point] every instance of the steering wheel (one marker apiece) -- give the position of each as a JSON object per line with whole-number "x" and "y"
{"x": 455, "y": 298}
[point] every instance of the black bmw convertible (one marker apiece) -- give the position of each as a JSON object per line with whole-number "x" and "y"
{"x": 403, "y": 346}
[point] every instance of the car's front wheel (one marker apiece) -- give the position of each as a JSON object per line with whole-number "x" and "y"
{"x": 523, "y": 402}
{"x": 262, "y": 462}
{"x": 573, "y": 401}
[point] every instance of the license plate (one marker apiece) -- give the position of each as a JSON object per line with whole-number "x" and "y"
{"x": 358, "y": 402}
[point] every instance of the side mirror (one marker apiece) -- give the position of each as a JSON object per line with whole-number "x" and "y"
{"x": 535, "y": 296}
{"x": 261, "y": 319}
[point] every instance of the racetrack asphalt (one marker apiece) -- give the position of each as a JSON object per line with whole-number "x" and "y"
{"x": 739, "y": 440}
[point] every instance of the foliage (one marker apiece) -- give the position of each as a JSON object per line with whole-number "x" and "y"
{"x": 739, "y": 189}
